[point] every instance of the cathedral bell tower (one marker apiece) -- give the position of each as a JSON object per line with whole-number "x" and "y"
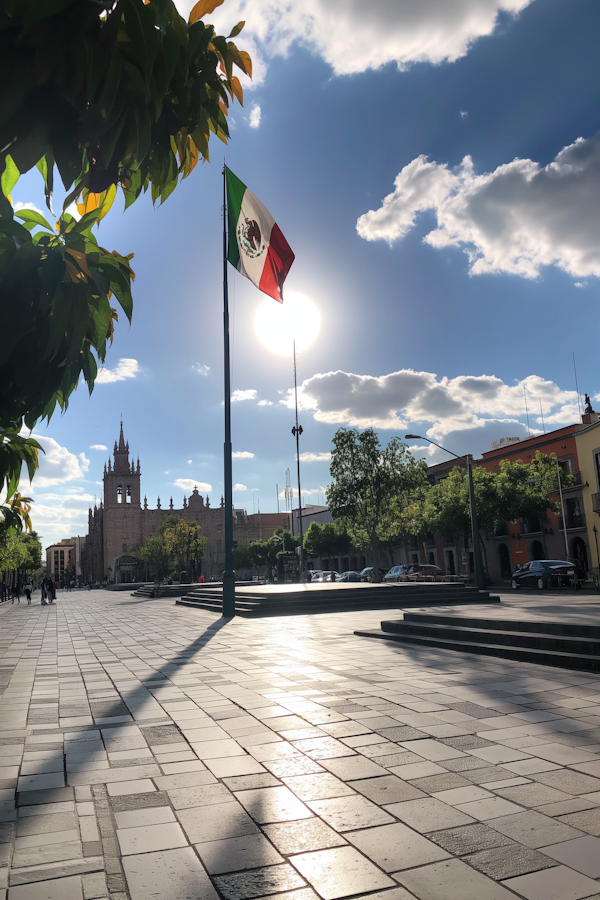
{"x": 122, "y": 479}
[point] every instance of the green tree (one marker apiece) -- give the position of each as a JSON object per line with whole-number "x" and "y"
{"x": 20, "y": 553}
{"x": 111, "y": 93}
{"x": 183, "y": 542}
{"x": 370, "y": 485}
{"x": 242, "y": 557}
{"x": 326, "y": 540}
{"x": 154, "y": 552}
{"x": 518, "y": 490}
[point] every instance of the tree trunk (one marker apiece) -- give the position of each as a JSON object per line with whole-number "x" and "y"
{"x": 375, "y": 560}
{"x": 485, "y": 557}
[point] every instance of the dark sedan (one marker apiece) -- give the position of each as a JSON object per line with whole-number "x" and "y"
{"x": 548, "y": 573}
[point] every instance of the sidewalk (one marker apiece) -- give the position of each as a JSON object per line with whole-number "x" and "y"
{"x": 154, "y": 752}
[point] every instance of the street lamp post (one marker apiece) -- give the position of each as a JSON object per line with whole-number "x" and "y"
{"x": 477, "y": 562}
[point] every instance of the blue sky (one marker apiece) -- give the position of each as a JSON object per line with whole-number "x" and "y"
{"x": 429, "y": 271}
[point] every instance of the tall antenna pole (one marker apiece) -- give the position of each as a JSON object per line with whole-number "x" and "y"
{"x": 542, "y": 415}
{"x": 526, "y": 409}
{"x": 577, "y": 385}
{"x": 297, "y": 431}
{"x": 228, "y": 574}
{"x": 277, "y": 492}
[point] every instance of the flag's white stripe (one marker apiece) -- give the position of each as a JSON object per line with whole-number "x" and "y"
{"x": 253, "y": 209}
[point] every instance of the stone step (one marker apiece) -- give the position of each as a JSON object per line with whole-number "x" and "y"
{"x": 580, "y": 662}
{"x": 304, "y": 602}
{"x": 567, "y": 645}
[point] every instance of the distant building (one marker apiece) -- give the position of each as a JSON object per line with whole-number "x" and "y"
{"x": 319, "y": 514}
{"x": 63, "y": 560}
{"x": 121, "y": 523}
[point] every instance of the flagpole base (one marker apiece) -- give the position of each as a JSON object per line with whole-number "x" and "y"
{"x": 228, "y": 594}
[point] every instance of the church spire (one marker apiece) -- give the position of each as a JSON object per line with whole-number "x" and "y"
{"x": 122, "y": 439}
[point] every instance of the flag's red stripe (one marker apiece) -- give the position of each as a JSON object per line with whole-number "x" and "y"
{"x": 277, "y": 264}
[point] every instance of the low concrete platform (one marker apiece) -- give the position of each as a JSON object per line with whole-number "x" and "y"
{"x": 300, "y": 599}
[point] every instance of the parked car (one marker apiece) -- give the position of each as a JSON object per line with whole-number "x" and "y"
{"x": 546, "y": 573}
{"x": 326, "y": 576}
{"x": 349, "y": 576}
{"x": 315, "y": 575}
{"x": 365, "y": 574}
{"x": 397, "y": 573}
{"x": 420, "y": 572}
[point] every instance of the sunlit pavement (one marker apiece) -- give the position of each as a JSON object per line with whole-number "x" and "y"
{"x": 153, "y": 751}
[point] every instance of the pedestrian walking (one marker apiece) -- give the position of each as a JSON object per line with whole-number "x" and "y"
{"x": 27, "y": 588}
{"x": 16, "y": 593}
{"x": 53, "y": 592}
{"x": 2, "y": 591}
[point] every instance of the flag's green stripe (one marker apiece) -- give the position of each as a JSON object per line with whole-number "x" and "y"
{"x": 235, "y": 192}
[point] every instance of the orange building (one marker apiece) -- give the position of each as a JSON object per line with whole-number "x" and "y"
{"x": 520, "y": 541}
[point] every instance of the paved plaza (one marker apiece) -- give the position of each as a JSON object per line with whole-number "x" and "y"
{"x": 156, "y": 752}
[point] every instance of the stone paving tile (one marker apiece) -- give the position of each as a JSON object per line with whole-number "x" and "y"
{"x": 453, "y": 880}
{"x": 256, "y": 882}
{"x": 396, "y": 847}
{"x": 298, "y": 837}
{"x": 353, "y": 735}
{"x": 340, "y": 872}
{"x": 559, "y": 882}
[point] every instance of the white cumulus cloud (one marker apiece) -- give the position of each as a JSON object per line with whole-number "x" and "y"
{"x": 516, "y": 219}
{"x": 98, "y": 447}
{"x": 265, "y": 403}
{"x": 353, "y": 39}
{"x": 315, "y": 457}
{"x": 239, "y": 395}
{"x": 242, "y": 454}
{"x": 407, "y": 400}
{"x": 57, "y": 464}
{"x": 19, "y": 206}
{"x": 201, "y": 369}
{"x": 125, "y": 368}
{"x": 255, "y": 114}
{"x": 188, "y": 484}
{"x": 240, "y": 487}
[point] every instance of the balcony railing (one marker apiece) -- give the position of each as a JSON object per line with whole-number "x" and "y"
{"x": 531, "y": 526}
{"x": 573, "y": 521}
{"x": 573, "y": 477}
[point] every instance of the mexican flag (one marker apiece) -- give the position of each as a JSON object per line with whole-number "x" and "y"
{"x": 257, "y": 248}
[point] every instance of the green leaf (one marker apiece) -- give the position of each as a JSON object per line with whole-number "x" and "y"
{"x": 30, "y": 215}
{"x": 235, "y": 31}
{"x": 10, "y": 176}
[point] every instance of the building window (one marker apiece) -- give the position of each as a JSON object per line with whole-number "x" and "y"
{"x": 124, "y": 548}
{"x": 55, "y": 561}
{"x": 119, "y": 494}
{"x": 128, "y": 493}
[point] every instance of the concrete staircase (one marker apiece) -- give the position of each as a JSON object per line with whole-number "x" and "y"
{"x": 254, "y": 603}
{"x": 563, "y": 644}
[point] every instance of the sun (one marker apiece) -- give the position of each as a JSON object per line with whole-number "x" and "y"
{"x": 277, "y": 324}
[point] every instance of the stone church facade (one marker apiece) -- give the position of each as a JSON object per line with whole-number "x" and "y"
{"x": 121, "y": 523}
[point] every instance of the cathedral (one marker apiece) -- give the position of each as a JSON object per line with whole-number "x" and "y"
{"x": 121, "y": 523}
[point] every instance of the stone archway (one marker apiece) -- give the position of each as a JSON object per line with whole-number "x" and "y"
{"x": 504, "y": 558}
{"x": 579, "y": 553}
{"x": 537, "y": 550}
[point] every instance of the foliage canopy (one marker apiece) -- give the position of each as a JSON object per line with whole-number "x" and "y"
{"x": 370, "y": 484}
{"x": 111, "y": 94}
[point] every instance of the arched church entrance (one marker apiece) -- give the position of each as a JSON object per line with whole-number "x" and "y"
{"x": 505, "y": 564}
{"x": 579, "y": 553}
{"x": 537, "y": 550}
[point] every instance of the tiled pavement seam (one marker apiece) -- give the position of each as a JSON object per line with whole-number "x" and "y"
{"x": 284, "y": 757}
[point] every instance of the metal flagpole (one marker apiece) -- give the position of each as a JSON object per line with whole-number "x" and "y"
{"x": 228, "y": 574}
{"x": 297, "y": 431}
